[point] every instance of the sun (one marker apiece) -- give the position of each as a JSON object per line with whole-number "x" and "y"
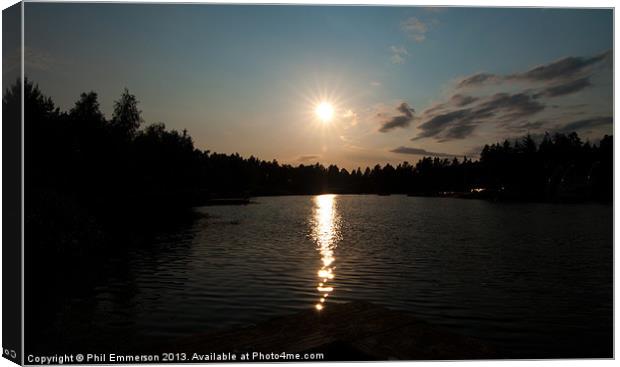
{"x": 324, "y": 111}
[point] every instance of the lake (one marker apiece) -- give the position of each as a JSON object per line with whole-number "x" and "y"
{"x": 534, "y": 280}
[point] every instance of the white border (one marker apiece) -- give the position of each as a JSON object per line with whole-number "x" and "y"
{"x": 22, "y": 75}
{"x": 478, "y": 3}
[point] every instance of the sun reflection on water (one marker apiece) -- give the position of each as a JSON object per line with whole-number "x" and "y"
{"x": 326, "y": 234}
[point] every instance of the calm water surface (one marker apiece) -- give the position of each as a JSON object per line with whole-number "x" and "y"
{"x": 535, "y": 280}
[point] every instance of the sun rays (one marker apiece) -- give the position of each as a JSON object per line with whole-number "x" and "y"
{"x": 325, "y": 112}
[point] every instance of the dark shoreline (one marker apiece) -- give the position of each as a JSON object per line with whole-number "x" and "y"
{"x": 239, "y": 200}
{"x": 353, "y": 331}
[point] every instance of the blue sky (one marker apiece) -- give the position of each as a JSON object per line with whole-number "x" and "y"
{"x": 247, "y": 78}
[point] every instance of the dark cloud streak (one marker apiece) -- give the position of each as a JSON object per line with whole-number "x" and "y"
{"x": 461, "y": 123}
{"x": 420, "y": 151}
{"x": 587, "y": 123}
{"x": 461, "y": 100}
{"x": 458, "y": 132}
{"x": 477, "y": 79}
{"x": 438, "y": 123}
{"x": 459, "y": 116}
{"x": 402, "y": 120}
{"x": 570, "y": 87}
{"x": 566, "y": 70}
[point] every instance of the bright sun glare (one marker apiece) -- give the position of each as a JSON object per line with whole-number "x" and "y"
{"x": 324, "y": 111}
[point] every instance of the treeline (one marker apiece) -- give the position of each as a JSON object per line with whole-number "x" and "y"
{"x": 119, "y": 162}
{"x": 96, "y": 181}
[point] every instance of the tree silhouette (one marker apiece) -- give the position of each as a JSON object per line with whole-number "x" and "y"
{"x": 118, "y": 171}
{"x": 127, "y": 117}
{"x": 87, "y": 109}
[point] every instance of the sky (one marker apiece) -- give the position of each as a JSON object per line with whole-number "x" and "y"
{"x": 402, "y": 81}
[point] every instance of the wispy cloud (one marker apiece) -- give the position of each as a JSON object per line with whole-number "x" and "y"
{"x": 350, "y": 116}
{"x": 526, "y": 126}
{"x": 308, "y": 158}
{"x": 397, "y": 59}
{"x": 34, "y": 59}
{"x": 38, "y": 59}
{"x": 398, "y": 54}
{"x": 415, "y": 29}
{"x": 403, "y": 119}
